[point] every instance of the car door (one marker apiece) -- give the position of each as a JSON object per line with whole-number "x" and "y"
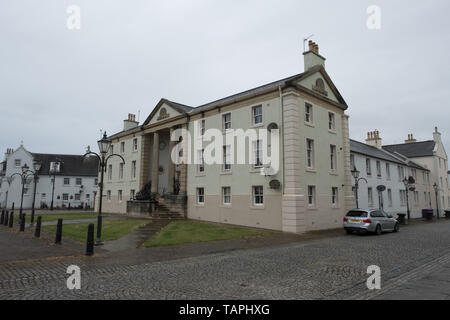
{"x": 388, "y": 224}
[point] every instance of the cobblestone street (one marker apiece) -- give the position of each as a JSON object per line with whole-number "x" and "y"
{"x": 414, "y": 264}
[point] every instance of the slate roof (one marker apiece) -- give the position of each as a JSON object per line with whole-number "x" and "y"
{"x": 413, "y": 150}
{"x": 71, "y": 165}
{"x": 365, "y": 149}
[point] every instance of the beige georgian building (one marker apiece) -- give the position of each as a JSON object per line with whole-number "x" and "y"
{"x": 312, "y": 189}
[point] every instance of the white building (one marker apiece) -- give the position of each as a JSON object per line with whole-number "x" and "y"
{"x": 379, "y": 167}
{"x": 67, "y": 179}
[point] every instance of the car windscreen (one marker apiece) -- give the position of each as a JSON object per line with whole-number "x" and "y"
{"x": 357, "y": 214}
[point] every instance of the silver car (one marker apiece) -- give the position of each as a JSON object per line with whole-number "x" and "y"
{"x": 370, "y": 221}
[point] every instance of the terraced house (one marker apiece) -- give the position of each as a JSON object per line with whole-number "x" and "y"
{"x": 311, "y": 189}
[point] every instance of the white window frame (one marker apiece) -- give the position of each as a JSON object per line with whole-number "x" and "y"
{"x": 226, "y": 124}
{"x": 311, "y": 196}
{"x": 257, "y": 118}
{"x": 310, "y": 159}
{"x": 258, "y": 154}
{"x": 333, "y": 158}
{"x": 332, "y": 121}
{"x": 227, "y": 167}
{"x": 258, "y": 196}
{"x": 334, "y": 196}
{"x": 309, "y": 113}
{"x": 200, "y": 193}
{"x": 225, "y": 196}
{"x": 135, "y": 144}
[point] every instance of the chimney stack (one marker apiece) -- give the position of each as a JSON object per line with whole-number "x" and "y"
{"x": 374, "y": 139}
{"x": 410, "y": 139}
{"x": 130, "y": 123}
{"x": 312, "y": 57}
{"x": 436, "y": 135}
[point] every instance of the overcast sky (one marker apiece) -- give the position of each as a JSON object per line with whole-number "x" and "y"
{"x": 59, "y": 87}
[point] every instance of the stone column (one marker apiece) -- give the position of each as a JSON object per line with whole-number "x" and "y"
{"x": 171, "y": 172}
{"x": 349, "y": 195}
{"x": 144, "y": 170}
{"x": 293, "y": 199}
{"x": 183, "y": 167}
{"x": 155, "y": 164}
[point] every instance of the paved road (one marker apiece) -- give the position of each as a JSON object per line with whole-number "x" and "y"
{"x": 414, "y": 264}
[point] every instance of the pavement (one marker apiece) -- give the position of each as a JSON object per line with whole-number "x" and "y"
{"x": 414, "y": 265}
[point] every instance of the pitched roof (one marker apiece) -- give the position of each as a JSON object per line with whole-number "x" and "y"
{"x": 413, "y": 150}
{"x": 364, "y": 149}
{"x": 71, "y": 165}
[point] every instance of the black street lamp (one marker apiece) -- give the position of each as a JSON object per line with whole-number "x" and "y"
{"x": 53, "y": 171}
{"x": 26, "y": 173}
{"x": 436, "y": 190}
{"x": 37, "y": 167}
{"x": 103, "y": 145}
{"x": 355, "y": 174}
{"x": 409, "y": 185}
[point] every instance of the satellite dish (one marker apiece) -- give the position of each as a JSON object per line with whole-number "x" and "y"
{"x": 272, "y": 126}
{"x": 275, "y": 184}
{"x": 268, "y": 171}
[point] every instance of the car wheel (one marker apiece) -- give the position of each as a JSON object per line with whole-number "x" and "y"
{"x": 378, "y": 230}
{"x": 397, "y": 228}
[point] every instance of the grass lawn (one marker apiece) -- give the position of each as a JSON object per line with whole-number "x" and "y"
{"x": 66, "y": 216}
{"x": 111, "y": 230}
{"x": 182, "y": 232}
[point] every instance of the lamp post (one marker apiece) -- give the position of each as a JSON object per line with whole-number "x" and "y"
{"x": 355, "y": 174}
{"x": 53, "y": 171}
{"x": 103, "y": 145}
{"x": 37, "y": 167}
{"x": 409, "y": 183}
{"x": 26, "y": 173}
{"x": 436, "y": 191}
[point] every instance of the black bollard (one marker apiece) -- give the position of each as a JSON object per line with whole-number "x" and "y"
{"x": 59, "y": 231}
{"x": 90, "y": 241}
{"x": 2, "y": 218}
{"x": 5, "y": 223}
{"x": 22, "y": 222}
{"x": 99, "y": 231}
{"x": 37, "y": 232}
{"x": 11, "y": 220}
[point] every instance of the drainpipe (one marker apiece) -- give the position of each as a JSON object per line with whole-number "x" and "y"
{"x": 282, "y": 135}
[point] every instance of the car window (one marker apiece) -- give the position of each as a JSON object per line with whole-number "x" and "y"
{"x": 357, "y": 214}
{"x": 376, "y": 214}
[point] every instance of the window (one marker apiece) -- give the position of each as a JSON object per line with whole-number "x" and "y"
{"x": 310, "y": 153}
{"x": 133, "y": 169}
{"x": 88, "y": 196}
{"x": 416, "y": 198}
{"x": 370, "y": 196}
{"x": 403, "y": 198}
{"x": 401, "y": 173}
{"x": 390, "y": 204}
{"x": 334, "y": 196}
{"x": 311, "y": 196}
{"x": 257, "y": 154}
{"x": 226, "y": 196}
{"x": 226, "y": 119}
{"x": 200, "y": 195}
{"x": 79, "y": 181}
{"x": 95, "y": 181}
{"x": 135, "y": 144}
{"x": 308, "y": 113}
{"x": 43, "y": 195}
{"x": 331, "y": 121}
{"x": 388, "y": 171}
{"x": 122, "y": 147}
{"x": 379, "y": 169}
{"x": 77, "y": 197}
{"x": 227, "y": 158}
{"x": 132, "y": 193}
{"x": 25, "y": 191}
{"x": 258, "y": 196}
{"x": 111, "y": 149}
{"x": 352, "y": 161}
{"x": 108, "y": 195}
{"x": 17, "y": 162}
{"x": 66, "y": 181}
{"x": 257, "y": 115}
{"x": 414, "y": 174}
{"x": 110, "y": 172}
{"x": 201, "y": 165}
{"x": 65, "y": 196}
{"x": 425, "y": 198}
{"x": 333, "y": 158}
{"x": 121, "y": 171}
{"x": 120, "y": 195}
{"x": 201, "y": 127}
{"x": 368, "y": 167}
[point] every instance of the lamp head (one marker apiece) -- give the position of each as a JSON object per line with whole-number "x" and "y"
{"x": 25, "y": 168}
{"x": 104, "y": 144}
